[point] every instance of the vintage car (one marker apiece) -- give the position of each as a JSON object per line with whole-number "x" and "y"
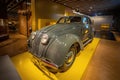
{"x": 57, "y": 45}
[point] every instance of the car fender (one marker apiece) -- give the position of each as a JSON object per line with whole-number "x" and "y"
{"x": 56, "y": 52}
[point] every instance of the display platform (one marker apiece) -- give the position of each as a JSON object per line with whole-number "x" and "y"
{"x": 7, "y": 69}
{"x": 28, "y": 71}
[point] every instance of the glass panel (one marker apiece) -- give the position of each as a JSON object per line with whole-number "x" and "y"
{"x": 3, "y": 26}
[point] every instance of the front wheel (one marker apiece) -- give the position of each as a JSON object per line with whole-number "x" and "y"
{"x": 69, "y": 59}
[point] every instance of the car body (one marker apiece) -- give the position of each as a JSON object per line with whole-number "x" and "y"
{"x": 58, "y": 44}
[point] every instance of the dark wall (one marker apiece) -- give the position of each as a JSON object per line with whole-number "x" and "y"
{"x": 116, "y": 18}
{"x": 116, "y": 23}
{"x": 3, "y": 9}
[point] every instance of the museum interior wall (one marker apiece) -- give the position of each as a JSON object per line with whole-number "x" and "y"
{"x": 102, "y": 22}
{"x": 36, "y": 15}
{"x": 43, "y": 15}
{"x": 116, "y": 23}
{"x": 45, "y": 12}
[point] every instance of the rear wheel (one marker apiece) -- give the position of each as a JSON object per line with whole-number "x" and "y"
{"x": 69, "y": 59}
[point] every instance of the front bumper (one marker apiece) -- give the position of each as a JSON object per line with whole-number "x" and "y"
{"x": 42, "y": 61}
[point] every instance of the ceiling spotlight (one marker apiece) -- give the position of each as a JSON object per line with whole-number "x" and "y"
{"x": 17, "y": 0}
{"x": 64, "y": 4}
{"x": 91, "y": 7}
{"x": 89, "y": 10}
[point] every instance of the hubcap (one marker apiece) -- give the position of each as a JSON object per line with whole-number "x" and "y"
{"x": 69, "y": 57}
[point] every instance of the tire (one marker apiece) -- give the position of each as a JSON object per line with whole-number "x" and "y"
{"x": 69, "y": 59}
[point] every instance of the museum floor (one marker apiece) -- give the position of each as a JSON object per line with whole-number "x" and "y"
{"x": 105, "y": 63}
{"x": 16, "y": 44}
{"x": 98, "y": 61}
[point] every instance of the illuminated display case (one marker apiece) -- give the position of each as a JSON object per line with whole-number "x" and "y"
{"x": 3, "y": 29}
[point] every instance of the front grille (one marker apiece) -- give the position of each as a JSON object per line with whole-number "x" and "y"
{"x": 38, "y": 49}
{"x": 37, "y": 43}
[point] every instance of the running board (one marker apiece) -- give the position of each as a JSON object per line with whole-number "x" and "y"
{"x": 88, "y": 41}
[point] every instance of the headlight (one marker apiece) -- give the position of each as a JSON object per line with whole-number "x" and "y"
{"x": 44, "y": 39}
{"x": 33, "y": 34}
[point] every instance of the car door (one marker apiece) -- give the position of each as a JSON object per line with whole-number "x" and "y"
{"x": 85, "y": 29}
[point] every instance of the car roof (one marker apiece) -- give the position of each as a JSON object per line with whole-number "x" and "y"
{"x": 78, "y": 16}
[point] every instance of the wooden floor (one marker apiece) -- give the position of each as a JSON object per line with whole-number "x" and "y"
{"x": 105, "y": 64}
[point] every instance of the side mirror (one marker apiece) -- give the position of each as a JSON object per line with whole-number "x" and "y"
{"x": 92, "y": 22}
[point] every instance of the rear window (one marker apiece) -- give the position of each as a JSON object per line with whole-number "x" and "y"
{"x": 69, "y": 19}
{"x": 75, "y": 19}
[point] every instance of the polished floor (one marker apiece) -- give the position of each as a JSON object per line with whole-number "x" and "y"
{"x": 105, "y": 64}
{"x": 28, "y": 71}
{"x": 16, "y": 44}
{"x": 105, "y": 35}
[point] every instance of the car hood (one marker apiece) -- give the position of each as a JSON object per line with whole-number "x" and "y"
{"x": 58, "y": 29}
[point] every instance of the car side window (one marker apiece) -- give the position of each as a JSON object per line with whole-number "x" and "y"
{"x": 64, "y": 20}
{"x": 89, "y": 21}
{"x": 76, "y": 19}
{"x": 86, "y": 26}
{"x": 85, "y": 20}
{"x": 61, "y": 20}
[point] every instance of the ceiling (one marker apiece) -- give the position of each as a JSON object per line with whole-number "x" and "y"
{"x": 13, "y": 6}
{"x": 92, "y": 7}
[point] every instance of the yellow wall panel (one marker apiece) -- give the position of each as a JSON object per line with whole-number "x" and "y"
{"x": 45, "y": 22}
{"x": 45, "y": 12}
{"x": 33, "y": 15}
{"x": 22, "y": 25}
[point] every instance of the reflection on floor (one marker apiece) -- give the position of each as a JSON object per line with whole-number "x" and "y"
{"x": 105, "y": 35}
{"x": 28, "y": 71}
{"x": 105, "y": 64}
{"x": 117, "y": 35}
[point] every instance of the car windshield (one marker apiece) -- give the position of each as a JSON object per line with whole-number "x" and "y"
{"x": 69, "y": 19}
